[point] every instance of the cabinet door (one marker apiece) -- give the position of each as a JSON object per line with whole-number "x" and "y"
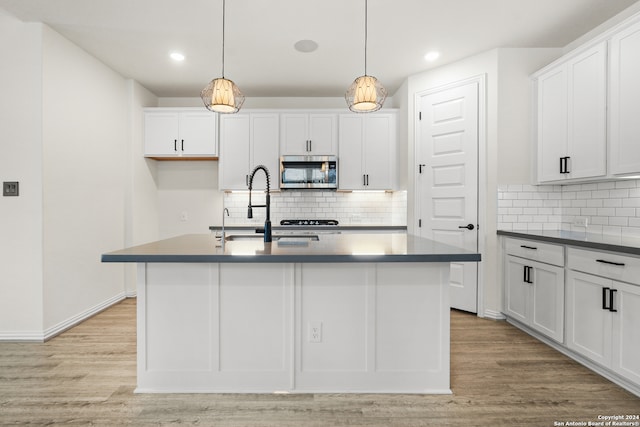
{"x": 588, "y": 329}
{"x": 516, "y": 289}
{"x": 198, "y": 134}
{"x": 264, "y": 148}
{"x": 294, "y": 137}
{"x": 626, "y": 338}
{"x": 552, "y": 123}
{"x": 379, "y": 143}
{"x": 234, "y": 152}
{"x": 547, "y": 300}
{"x": 161, "y": 131}
{"x": 587, "y": 113}
{"x": 624, "y": 99}
{"x": 350, "y": 165}
{"x": 323, "y": 134}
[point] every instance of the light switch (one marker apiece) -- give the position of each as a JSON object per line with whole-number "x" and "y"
{"x": 10, "y": 188}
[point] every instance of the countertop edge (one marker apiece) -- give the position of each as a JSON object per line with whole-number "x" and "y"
{"x": 169, "y": 258}
{"x": 612, "y": 247}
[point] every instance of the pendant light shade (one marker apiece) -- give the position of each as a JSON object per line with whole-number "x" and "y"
{"x": 366, "y": 94}
{"x": 222, "y": 95}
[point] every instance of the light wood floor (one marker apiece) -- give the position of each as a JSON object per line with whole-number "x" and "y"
{"x": 500, "y": 377}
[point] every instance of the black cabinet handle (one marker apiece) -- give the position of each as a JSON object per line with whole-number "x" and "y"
{"x": 611, "y": 298}
{"x": 182, "y": 144}
{"x": 620, "y": 264}
{"x": 367, "y": 179}
{"x": 604, "y": 298}
{"x": 175, "y": 145}
{"x": 564, "y": 164}
{"x": 527, "y": 274}
{"x": 529, "y": 247}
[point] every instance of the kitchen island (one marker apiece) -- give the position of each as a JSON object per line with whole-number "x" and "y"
{"x": 343, "y": 313}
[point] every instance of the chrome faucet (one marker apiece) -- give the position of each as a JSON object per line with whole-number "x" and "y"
{"x": 225, "y": 210}
{"x": 267, "y": 205}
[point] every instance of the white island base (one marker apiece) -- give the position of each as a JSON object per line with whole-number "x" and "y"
{"x": 293, "y": 327}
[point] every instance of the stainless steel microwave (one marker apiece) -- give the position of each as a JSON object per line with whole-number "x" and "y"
{"x": 309, "y": 172}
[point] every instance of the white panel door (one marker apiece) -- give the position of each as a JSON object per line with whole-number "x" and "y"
{"x": 624, "y": 101}
{"x": 161, "y": 132}
{"x": 350, "y": 160}
{"x": 234, "y": 152}
{"x": 377, "y": 151}
{"x": 552, "y": 124}
{"x": 626, "y": 339}
{"x": 588, "y": 325}
{"x": 198, "y": 134}
{"x": 447, "y": 185}
{"x": 264, "y": 148}
{"x": 587, "y": 113}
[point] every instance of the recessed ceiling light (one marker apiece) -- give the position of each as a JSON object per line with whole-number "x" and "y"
{"x": 177, "y": 56}
{"x": 305, "y": 46}
{"x": 432, "y": 56}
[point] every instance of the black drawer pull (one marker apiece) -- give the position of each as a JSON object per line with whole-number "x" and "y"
{"x": 529, "y": 247}
{"x": 621, "y": 264}
{"x": 604, "y": 299}
{"x": 527, "y": 274}
{"x": 611, "y": 292}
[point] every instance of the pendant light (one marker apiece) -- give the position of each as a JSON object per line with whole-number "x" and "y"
{"x": 222, "y": 95}
{"x": 366, "y": 94}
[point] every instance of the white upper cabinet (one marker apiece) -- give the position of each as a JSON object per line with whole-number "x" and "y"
{"x": 571, "y": 117}
{"x": 367, "y": 151}
{"x": 309, "y": 134}
{"x": 624, "y": 110}
{"x": 246, "y": 141}
{"x": 183, "y": 132}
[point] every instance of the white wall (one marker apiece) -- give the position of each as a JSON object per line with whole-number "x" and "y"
{"x": 189, "y": 188}
{"x": 84, "y": 136}
{"x": 141, "y": 198}
{"x": 21, "y": 297}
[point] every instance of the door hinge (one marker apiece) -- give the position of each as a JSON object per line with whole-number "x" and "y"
{"x": 420, "y": 115}
{"x": 420, "y": 223}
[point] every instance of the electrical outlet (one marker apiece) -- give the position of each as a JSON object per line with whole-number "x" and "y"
{"x": 315, "y": 331}
{"x": 581, "y": 221}
{"x": 11, "y": 188}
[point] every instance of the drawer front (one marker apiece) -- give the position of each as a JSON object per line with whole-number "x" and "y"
{"x": 606, "y": 264}
{"x": 535, "y": 250}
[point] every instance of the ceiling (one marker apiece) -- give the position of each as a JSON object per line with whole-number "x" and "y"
{"x": 135, "y": 37}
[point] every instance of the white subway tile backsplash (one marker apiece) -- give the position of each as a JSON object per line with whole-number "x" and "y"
{"x": 380, "y": 208}
{"x": 610, "y": 207}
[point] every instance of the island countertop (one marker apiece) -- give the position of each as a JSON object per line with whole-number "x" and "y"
{"x": 329, "y": 248}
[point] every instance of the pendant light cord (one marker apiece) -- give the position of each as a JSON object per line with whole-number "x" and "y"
{"x": 223, "y": 15}
{"x": 366, "y": 33}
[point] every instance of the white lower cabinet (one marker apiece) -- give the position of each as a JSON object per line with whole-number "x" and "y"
{"x": 586, "y": 300}
{"x": 535, "y": 295}
{"x": 603, "y": 315}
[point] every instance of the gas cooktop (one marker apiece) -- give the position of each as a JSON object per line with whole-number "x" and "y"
{"x": 309, "y": 222}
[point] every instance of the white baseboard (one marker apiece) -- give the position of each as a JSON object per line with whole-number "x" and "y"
{"x": 49, "y": 333}
{"x": 492, "y": 314}
{"x": 73, "y": 321}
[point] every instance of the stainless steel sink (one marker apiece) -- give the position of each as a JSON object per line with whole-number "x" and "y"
{"x": 276, "y": 237}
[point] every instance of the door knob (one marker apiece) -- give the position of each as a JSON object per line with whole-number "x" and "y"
{"x": 468, "y": 226}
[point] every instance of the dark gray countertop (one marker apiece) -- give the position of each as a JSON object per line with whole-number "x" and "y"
{"x": 328, "y": 228}
{"x": 604, "y": 242}
{"x": 361, "y": 247}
